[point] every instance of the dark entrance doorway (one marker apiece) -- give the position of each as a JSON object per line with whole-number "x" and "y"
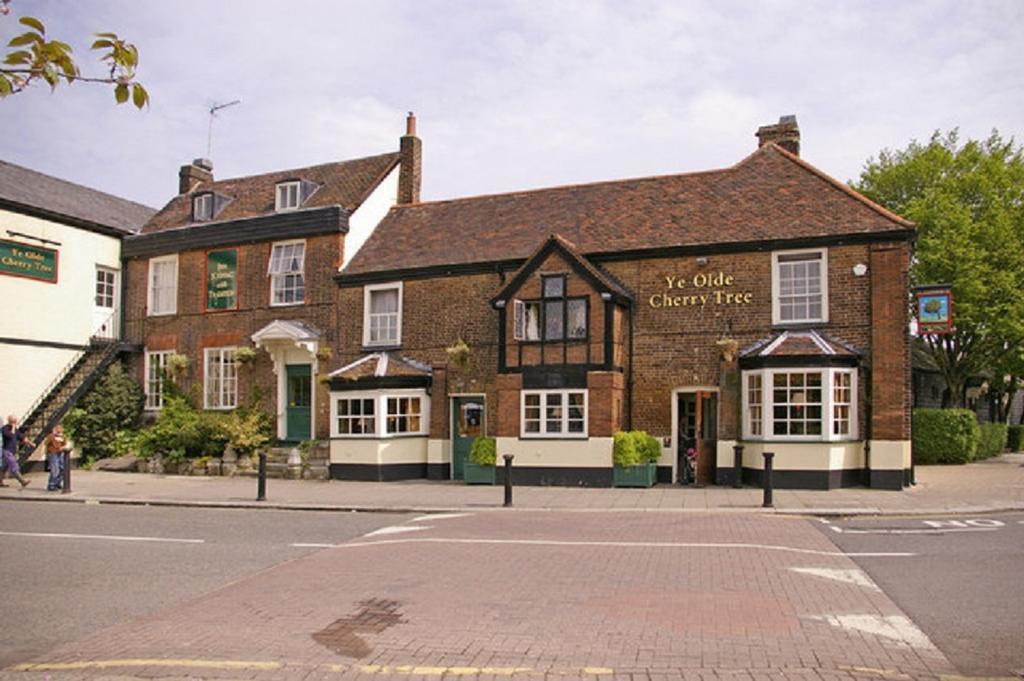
{"x": 698, "y": 430}
{"x": 468, "y": 415}
{"x": 298, "y": 414}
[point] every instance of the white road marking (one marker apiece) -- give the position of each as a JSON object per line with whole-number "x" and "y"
{"x": 110, "y": 537}
{"x": 942, "y": 530}
{"x": 856, "y": 577}
{"x": 893, "y": 627}
{"x": 621, "y": 544}
{"x": 440, "y": 516}
{"x": 397, "y": 529}
{"x": 970, "y": 522}
{"x": 313, "y": 546}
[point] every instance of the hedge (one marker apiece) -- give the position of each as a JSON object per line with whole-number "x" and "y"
{"x": 993, "y": 439}
{"x": 944, "y": 436}
{"x": 1013, "y": 437}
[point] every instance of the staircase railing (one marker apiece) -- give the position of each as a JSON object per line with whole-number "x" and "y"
{"x": 58, "y": 379}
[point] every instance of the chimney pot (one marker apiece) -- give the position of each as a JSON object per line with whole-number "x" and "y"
{"x": 410, "y": 125}
{"x": 785, "y": 133}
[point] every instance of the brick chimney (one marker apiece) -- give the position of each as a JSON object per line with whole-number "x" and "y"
{"x": 785, "y": 133}
{"x": 410, "y": 174}
{"x": 200, "y": 170}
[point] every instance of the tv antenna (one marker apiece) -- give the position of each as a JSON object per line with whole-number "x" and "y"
{"x": 213, "y": 114}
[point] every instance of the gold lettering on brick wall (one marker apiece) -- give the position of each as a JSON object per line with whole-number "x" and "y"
{"x": 707, "y": 287}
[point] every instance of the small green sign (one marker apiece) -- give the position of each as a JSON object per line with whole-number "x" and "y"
{"x": 19, "y": 260}
{"x": 222, "y": 280}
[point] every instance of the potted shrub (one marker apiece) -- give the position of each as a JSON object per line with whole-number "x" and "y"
{"x": 483, "y": 454}
{"x": 634, "y": 459}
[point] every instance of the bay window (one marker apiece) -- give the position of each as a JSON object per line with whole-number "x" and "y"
{"x": 379, "y": 414}
{"x": 553, "y": 413}
{"x": 800, "y": 404}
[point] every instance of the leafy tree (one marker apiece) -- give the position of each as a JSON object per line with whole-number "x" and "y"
{"x": 114, "y": 404}
{"x": 968, "y": 203}
{"x": 33, "y": 58}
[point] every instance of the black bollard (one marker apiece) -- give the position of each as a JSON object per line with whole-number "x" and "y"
{"x": 508, "y": 478}
{"x": 737, "y": 466}
{"x": 261, "y": 489}
{"x": 65, "y": 460}
{"x": 768, "y": 456}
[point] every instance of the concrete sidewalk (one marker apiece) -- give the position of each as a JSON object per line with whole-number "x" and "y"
{"x": 988, "y": 486}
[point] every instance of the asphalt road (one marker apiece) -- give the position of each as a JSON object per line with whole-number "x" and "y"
{"x": 964, "y": 587}
{"x": 58, "y": 589}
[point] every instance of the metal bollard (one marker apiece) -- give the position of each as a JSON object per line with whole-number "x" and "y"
{"x": 508, "y": 478}
{"x": 65, "y": 460}
{"x": 737, "y": 466}
{"x": 768, "y": 456}
{"x": 261, "y": 489}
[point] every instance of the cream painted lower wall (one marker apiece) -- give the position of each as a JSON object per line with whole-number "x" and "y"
{"x": 890, "y": 454}
{"x": 27, "y": 371}
{"x": 379, "y": 452}
{"x": 595, "y": 452}
{"x": 799, "y": 456}
{"x": 439, "y": 451}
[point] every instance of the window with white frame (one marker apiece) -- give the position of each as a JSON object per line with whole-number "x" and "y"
{"x": 403, "y": 415}
{"x": 106, "y": 287}
{"x": 553, "y": 413}
{"x": 382, "y": 321}
{"x": 287, "y": 282}
{"x": 288, "y": 196}
{"x": 163, "y": 285}
{"x": 800, "y": 404}
{"x": 220, "y": 378}
{"x": 799, "y": 287}
{"x": 355, "y": 416}
{"x": 380, "y": 414}
{"x": 202, "y": 207}
{"x": 155, "y": 371}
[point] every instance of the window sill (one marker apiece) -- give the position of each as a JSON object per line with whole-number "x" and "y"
{"x": 161, "y": 314}
{"x": 558, "y": 438}
{"x": 295, "y": 304}
{"x": 381, "y": 347}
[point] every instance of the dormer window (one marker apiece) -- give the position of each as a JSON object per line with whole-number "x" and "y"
{"x": 288, "y": 196}
{"x": 202, "y": 207}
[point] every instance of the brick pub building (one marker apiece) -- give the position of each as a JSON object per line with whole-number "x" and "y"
{"x": 762, "y": 305}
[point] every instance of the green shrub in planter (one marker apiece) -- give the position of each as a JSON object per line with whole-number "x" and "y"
{"x": 993, "y": 439}
{"x": 483, "y": 454}
{"x": 647, "y": 447}
{"x": 624, "y": 451}
{"x": 944, "y": 436}
{"x": 1013, "y": 437}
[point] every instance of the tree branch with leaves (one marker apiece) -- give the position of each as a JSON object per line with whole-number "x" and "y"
{"x": 35, "y": 58}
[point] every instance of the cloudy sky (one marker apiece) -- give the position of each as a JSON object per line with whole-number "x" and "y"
{"x": 513, "y": 95}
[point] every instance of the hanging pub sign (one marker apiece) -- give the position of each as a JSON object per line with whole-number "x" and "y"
{"x": 33, "y": 262}
{"x": 934, "y": 305}
{"x": 222, "y": 280}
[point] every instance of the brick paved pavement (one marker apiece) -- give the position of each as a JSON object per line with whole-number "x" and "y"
{"x": 996, "y": 484}
{"x": 535, "y": 595}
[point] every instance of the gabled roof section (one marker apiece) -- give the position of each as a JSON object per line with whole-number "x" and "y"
{"x": 601, "y": 280}
{"x": 285, "y": 330}
{"x": 51, "y": 198}
{"x": 770, "y": 195}
{"x": 797, "y": 347}
{"x": 344, "y": 183}
{"x": 381, "y": 365}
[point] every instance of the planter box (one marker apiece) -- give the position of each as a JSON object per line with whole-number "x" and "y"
{"x": 641, "y": 475}
{"x": 475, "y": 474}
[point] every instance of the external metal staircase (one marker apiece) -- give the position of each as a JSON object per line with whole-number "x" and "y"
{"x": 70, "y": 385}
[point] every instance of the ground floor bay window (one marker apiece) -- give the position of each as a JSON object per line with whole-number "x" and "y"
{"x": 800, "y": 404}
{"x": 379, "y": 414}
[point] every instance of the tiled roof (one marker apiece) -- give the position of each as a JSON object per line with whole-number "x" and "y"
{"x": 62, "y": 198}
{"x": 380, "y": 365}
{"x": 799, "y": 344}
{"x": 343, "y": 183}
{"x": 771, "y": 194}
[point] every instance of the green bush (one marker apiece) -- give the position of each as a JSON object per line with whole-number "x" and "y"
{"x": 944, "y": 436}
{"x": 993, "y": 439}
{"x": 247, "y": 430}
{"x": 181, "y": 432}
{"x": 647, "y": 447}
{"x": 113, "y": 404}
{"x": 1013, "y": 438}
{"x": 484, "y": 451}
{"x": 624, "y": 451}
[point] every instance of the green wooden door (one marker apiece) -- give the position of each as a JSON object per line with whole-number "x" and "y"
{"x": 298, "y": 412}
{"x": 467, "y": 423}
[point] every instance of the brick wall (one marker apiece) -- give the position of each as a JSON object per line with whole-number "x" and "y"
{"x": 890, "y": 366}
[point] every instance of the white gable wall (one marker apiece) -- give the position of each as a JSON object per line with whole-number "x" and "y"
{"x": 363, "y": 221}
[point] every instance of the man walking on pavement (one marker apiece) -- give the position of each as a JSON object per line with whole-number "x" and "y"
{"x": 12, "y": 437}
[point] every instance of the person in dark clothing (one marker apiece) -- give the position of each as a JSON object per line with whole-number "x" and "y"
{"x": 12, "y": 437}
